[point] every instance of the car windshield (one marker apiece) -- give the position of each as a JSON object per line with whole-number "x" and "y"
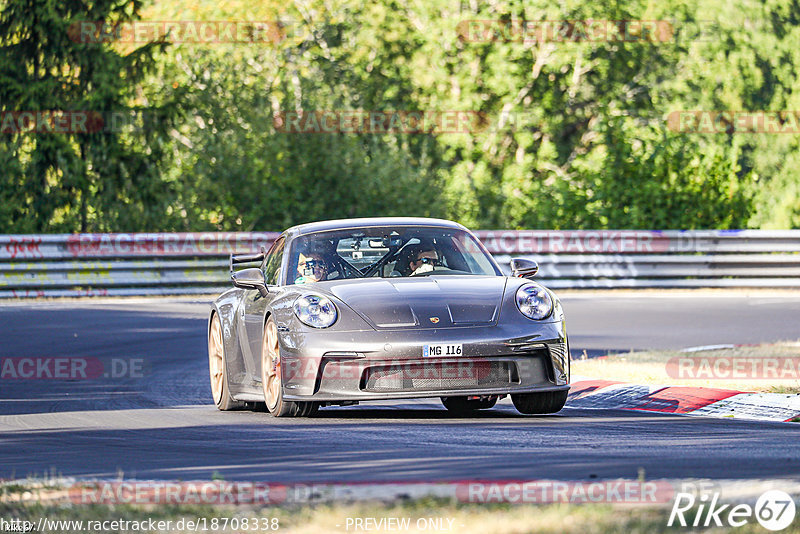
{"x": 387, "y": 252}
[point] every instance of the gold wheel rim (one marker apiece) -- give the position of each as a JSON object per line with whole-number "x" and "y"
{"x": 271, "y": 366}
{"x": 215, "y": 359}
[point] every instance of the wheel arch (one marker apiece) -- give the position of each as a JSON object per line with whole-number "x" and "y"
{"x": 225, "y": 308}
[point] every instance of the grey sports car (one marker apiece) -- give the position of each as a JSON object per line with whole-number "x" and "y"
{"x": 344, "y": 311}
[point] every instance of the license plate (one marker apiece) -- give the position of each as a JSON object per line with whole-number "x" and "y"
{"x": 441, "y": 350}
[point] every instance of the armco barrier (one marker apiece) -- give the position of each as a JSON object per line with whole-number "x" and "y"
{"x": 647, "y": 258}
{"x": 120, "y": 264}
{"x": 196, "y": 263}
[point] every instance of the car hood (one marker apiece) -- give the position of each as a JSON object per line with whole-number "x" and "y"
{"x": 429, "y": 302}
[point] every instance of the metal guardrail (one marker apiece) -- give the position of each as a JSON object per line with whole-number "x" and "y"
{"x": 660, "y": 259}
{"x": 196, "y": 263}
{"x": 120, "y": 264}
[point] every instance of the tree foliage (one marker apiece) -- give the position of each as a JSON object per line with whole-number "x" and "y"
{"x": 576, "y": 132}
{"x": 94, "y": 178}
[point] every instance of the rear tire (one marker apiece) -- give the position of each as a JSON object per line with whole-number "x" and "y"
{"x": 272, "y": 381}
{"x": 465, "y": 406}
{"x": 540, "y": 403}
{"x": 220, "y": 392}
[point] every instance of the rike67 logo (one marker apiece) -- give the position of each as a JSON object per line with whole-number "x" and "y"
{"x": 774, "y": 510}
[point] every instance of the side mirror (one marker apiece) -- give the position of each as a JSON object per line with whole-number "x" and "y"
{"x": 524, "y": 268}
{"x": 252, "y": 278}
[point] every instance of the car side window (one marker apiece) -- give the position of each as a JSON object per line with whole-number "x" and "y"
{"x": 274, "y": 258}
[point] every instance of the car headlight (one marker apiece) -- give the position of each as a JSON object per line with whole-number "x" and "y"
{"x": 534, "y": 301}
{"x": 315, "y": 310}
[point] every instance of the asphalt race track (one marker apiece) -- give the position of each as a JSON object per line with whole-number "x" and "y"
{"x": 157, "y": 422}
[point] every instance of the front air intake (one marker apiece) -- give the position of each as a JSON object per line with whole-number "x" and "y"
{"x": 435, "y": 376}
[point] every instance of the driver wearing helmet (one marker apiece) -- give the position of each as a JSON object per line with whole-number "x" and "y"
{"x": 311, "y": 267}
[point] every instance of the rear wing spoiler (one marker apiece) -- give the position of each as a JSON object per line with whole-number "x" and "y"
{"x": 237, "y": 259}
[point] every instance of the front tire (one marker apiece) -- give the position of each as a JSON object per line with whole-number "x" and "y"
{"x": 540, "y": 403}
{"x": 217, "y": 368}
{"x": 272, "y": 380}
{"x": 465, "y": 406}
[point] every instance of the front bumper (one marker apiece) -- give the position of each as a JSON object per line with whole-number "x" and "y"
{"x": 389, "y": 365}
